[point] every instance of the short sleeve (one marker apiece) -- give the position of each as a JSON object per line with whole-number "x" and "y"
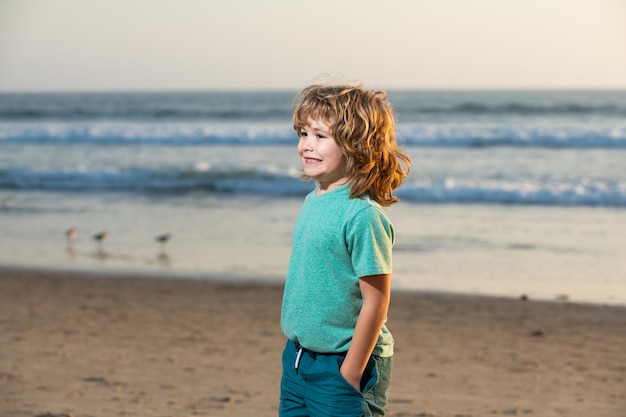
{"x": 370, "y": 237}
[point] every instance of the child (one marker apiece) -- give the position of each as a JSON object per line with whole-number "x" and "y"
{"x": 338, "y": 357}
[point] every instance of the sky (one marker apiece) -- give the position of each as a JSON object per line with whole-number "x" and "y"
{"x": 181, "y": 45}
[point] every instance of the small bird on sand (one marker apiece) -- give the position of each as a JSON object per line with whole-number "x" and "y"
{"x": 100, "y": 237}
{"x": 163, "y": 239}
{"x": 71, "y": 233}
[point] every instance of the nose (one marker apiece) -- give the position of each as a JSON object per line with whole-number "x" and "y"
{"x": 304, "y": 144}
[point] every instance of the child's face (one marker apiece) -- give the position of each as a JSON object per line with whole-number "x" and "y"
{"x": 321, "y": 157}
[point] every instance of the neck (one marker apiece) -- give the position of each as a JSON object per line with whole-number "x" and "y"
{"x": 324, "y": 188}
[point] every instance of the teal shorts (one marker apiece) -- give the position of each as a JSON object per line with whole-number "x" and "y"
{"x": 312, "y": 386}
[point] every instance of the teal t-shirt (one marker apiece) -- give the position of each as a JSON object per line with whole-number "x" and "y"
{"x": 336, "y": 240}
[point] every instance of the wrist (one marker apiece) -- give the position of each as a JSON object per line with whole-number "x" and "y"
{"x": 353, "y": 377}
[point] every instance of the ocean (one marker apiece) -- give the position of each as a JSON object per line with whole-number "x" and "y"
{"x": 510, "y": 193}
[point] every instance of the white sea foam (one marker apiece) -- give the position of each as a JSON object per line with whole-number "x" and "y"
{"x": 507, "y": 191}
{"x": 416, "y": 135}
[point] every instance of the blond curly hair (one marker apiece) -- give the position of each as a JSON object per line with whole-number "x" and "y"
{"x": 363, "y": 125}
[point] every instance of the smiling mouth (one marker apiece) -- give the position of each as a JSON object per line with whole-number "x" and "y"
{"x": 312, "y": 161}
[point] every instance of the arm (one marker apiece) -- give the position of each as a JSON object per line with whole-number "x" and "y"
{"x": 375, "y": 290}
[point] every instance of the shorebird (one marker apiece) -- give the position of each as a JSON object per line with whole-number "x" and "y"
{"x": 163, "y": 239}
{"x": 100, "y": 237}
{"x": 71, "y": 233}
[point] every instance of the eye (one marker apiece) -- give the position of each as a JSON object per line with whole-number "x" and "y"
{"x": 301, "y": 133}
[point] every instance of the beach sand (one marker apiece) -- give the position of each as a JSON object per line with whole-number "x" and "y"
{"x": 78, "y": 344}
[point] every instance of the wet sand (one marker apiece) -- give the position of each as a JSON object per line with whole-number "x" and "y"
{"x": 82, "y": 344}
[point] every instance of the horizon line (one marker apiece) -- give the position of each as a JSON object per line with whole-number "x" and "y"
{"x": 295, "y": 89}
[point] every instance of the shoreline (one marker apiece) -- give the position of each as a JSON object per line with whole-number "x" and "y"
{"x": 545, "y": 252}
{"x": 248, "y": 277}
{"x": 84, "y": 344}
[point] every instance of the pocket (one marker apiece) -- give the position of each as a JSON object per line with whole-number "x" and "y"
{"x": 289, "y": 357}
{"x": 370, "y": 375}
{"x": 338, "y": 361}
{"x": 288, "y": 352}
{"x": 369, "y": 378}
